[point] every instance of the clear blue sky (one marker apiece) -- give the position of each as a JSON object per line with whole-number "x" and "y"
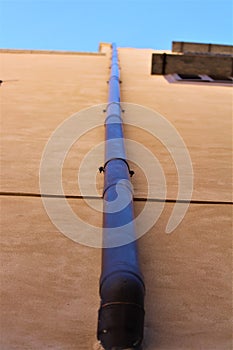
{"x": 80, "y": 25}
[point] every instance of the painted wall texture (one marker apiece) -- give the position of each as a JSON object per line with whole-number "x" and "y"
{"x": 49, "y": 283}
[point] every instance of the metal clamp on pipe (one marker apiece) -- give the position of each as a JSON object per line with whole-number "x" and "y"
{"x": 102, "y": 168}
{"x": 113, "y": 103}
{"x": 121, "y": 313}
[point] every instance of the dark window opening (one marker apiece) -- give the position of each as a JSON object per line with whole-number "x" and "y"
{"x": 189, "y": 77}
{"x": 201, "y": 78}
{"x": 221, "y": 78}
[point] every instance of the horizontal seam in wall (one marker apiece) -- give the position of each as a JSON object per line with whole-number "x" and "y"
{"x": 136, "y": 199}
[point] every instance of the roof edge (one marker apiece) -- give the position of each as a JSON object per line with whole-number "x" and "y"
{"x": 52, "y": 52}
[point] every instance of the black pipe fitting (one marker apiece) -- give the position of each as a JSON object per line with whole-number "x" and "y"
{"x": 121, "y": 315}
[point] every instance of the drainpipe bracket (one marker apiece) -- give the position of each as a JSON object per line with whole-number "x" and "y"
{"x": 116, "y": 103}
{"x": 120, "y": 81}
{"x": 102, "y": 168}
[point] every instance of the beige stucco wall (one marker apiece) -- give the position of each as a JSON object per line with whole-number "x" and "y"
{"x": 49, "y": 283}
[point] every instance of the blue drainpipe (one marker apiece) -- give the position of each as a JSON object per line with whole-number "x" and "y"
{"x": 121, "y": 313}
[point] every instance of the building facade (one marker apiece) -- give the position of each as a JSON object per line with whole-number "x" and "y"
{"x": 49, "y": 282}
